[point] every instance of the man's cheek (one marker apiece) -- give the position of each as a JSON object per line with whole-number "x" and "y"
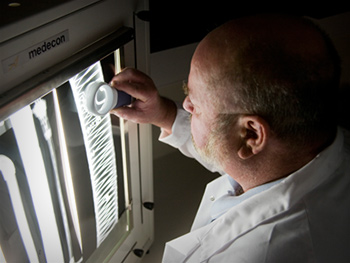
{"x": 199, "y": 133}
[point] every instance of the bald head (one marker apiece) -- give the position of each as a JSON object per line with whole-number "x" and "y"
{"x": 281, "y": 68}
{"x": 218, "y": 51}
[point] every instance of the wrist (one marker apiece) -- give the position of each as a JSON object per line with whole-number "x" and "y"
{"x": 169, "y": 111}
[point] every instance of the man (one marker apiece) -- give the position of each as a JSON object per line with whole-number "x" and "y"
{"x": 261, "y": 97}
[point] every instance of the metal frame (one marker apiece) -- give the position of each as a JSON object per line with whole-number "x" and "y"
{"x": 39, "y": 85}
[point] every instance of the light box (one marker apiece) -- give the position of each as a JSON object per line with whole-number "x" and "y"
{"x": 73, "y": 185}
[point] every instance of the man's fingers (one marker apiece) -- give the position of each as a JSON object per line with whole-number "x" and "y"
{"x": 135, "y": 83}
{"x": 132, "y": 89}
{"x": 148, "y": 107}
{"x": 129, "y": 113}
{"x": 130, "y": 75}
{"x": 122, "y": 112}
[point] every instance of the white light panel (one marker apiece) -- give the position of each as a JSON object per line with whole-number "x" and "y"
{"x": 97, "y": 133}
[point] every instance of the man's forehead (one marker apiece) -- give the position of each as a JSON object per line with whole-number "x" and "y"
{"x": 195, "y": 85}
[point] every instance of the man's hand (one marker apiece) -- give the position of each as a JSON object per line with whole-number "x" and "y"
{"x": 149, "y": 106}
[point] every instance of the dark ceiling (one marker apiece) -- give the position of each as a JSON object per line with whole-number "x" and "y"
{"x": 180, "y": 22}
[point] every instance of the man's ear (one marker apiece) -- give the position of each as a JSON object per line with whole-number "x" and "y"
{"x": 255, "y": 132}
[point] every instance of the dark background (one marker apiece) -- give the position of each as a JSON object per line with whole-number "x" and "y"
{"x": 179, "y": 22}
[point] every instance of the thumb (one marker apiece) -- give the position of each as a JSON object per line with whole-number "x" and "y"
{"x": 127, "y": 113}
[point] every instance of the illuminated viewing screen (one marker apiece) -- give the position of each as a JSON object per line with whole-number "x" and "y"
{"x": 64, "y": 187}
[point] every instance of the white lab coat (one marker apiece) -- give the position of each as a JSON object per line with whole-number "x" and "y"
{"x": 303, "y": 218}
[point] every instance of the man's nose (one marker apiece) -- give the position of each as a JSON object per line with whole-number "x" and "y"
{"x": 187, "y": 104}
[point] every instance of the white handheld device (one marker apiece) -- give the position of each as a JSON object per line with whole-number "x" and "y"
{"x": 100, "y": 98}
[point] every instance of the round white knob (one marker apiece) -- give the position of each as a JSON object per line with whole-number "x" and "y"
{"x": 100, "y": 98}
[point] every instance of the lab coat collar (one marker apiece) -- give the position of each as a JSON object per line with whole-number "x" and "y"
{"x": 267, "y": 204}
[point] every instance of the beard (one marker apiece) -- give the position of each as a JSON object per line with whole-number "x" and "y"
{"x": 216, "y": 149}
{"x": 212, "y": 152}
